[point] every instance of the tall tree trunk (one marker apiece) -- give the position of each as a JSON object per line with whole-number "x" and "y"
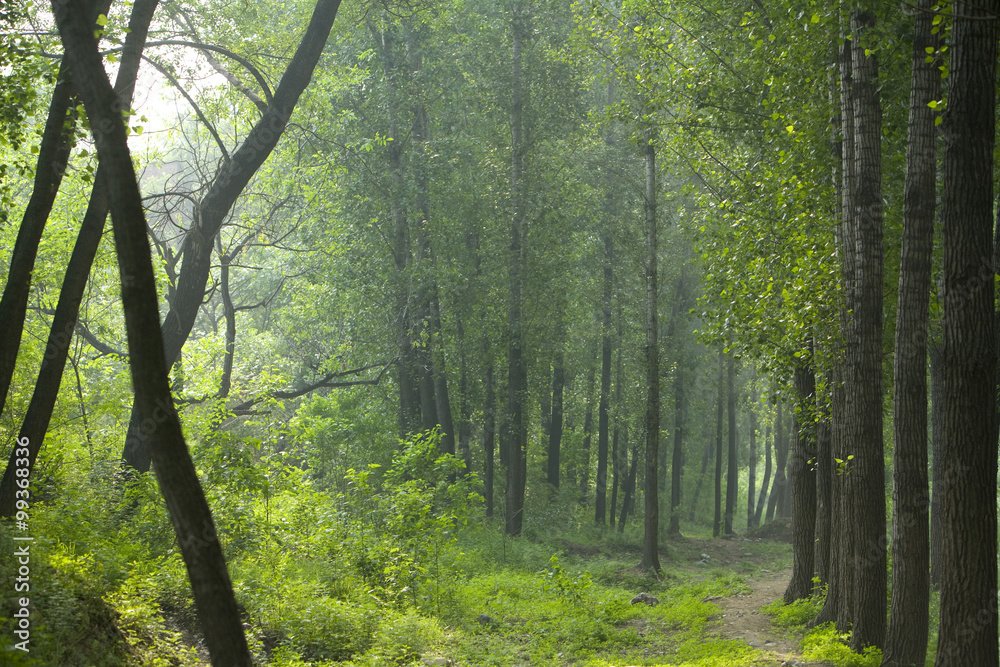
{"x": 588, "y": 429}
{"x": 677, "y": 459}
{"x": 825, "y": 469}
{"x": 628, "y": 504}
{"x": 43, "y": 399}
{"x": 867, "y": 471}
{"x": 517, "y": 375}
{"x": 752, "y": 472}
{"x": 212, "y": 211}
{"x": 602, "y": 410}
{"x": 556, "y": 423}
{"x": 803, "y": 482}
{"x": 967, "y": 634}
{"x": 706, "y": 457}
{"x": 53, "y": 156}
{"x": 489, "y": 433}
{"x": 732, "y": 473}
{"x": 651, "y": 527}
{"x": 719, "y": 408}
{"x": 906, "y": 637}
{"x": 776, "y": 501}
{"x": 937, "y": 401}
{"x": 617, "y": 450}
{"x": 762, "y": 498}
{"x": 175, "y": 470}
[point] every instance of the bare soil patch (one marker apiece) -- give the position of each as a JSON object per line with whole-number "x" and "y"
{"x": 741, "y": 618}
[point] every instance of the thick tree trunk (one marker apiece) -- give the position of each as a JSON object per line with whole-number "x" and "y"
{"x": 967, "y": 634}
{"x": 43, "y": 399}
{"x": 867, "y": 471}
{"x": 906, "y": 637}
{"x": 651, "y": 527}
{"x": 176, "y": 474}
{"x": 803, "y": 482}
{"x": 214, "y": 208}
{"x": 732, "y": 472}
{"x": 825, "y": 468}
{"x": 602, "y": 410}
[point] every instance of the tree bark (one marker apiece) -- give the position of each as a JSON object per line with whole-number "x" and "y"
{"x": 803, "y": 482}
{"x": 752, "y": 471}
{"x": 825, "y": 470}
{"x": 43, "y": 399}
{"x": 651, "y": 526}
{"x": 732, "y": 472}
{"x": 176, "y": 474}
{"x": 517, "y": 375}
{"x": 601, "y": 495}
{"x": 556, "y": 422}
{"x": 214, "y": 208}
{"x": 719, "y": 412}
{"x": 967, "y": 634}
{"x": 776, "y": 501}
{"x": 937, "y": 467}
{"x": 906, "y": 637}
{"x": 867, "y": 471}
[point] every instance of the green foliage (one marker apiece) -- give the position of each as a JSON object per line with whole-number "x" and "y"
{"x": 825, "y": 644}
{"x": 796, "y": 614}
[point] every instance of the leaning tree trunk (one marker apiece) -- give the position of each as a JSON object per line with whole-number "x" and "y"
{"x": 212, "y": 211}
{"x": 43, "y": 399}
{"x": 906, "y": 638}
{"x": 175, "y": 470}
{"x": 967, "y": 634}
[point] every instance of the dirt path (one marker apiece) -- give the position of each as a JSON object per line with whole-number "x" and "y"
{"x": 741, "y": 619}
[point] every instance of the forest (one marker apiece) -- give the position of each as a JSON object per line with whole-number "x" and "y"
{"x": 499, "y": 332}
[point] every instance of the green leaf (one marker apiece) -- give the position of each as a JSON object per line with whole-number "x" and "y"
{"x": 102, "y": 19}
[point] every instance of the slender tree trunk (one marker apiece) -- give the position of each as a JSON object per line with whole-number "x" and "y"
{"x": 803, "y": 482}
{"x": 588, "y": 429}
{"x": 489, "y": 433}
{"x": 175, "y": 470}
{"x": 937, "y": 474}
{"x": 617, "y": 467}
{"x": 906, "y": 638}
{"x": 556, "y": 426}
{"x": 719, "y": 411}
{"x": 651, "y": 527}
{"x": 762, "y": 498}
{"x": 732, "y": 472}
{"x": 628, "y": 504}
{"x": 212, "y": 211}
{"x": 706, "y": 457}
{"x": 867, "y": 471}
{"x": 43, "y": 399}
{"x": 677, "y": 459}
{"x": 517, "y": 376}
{"x": 776, "y": 501}
{"x": 602, "y": 411}
{"x": 967, "y": 634}
{"x": 752, "y": 472}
